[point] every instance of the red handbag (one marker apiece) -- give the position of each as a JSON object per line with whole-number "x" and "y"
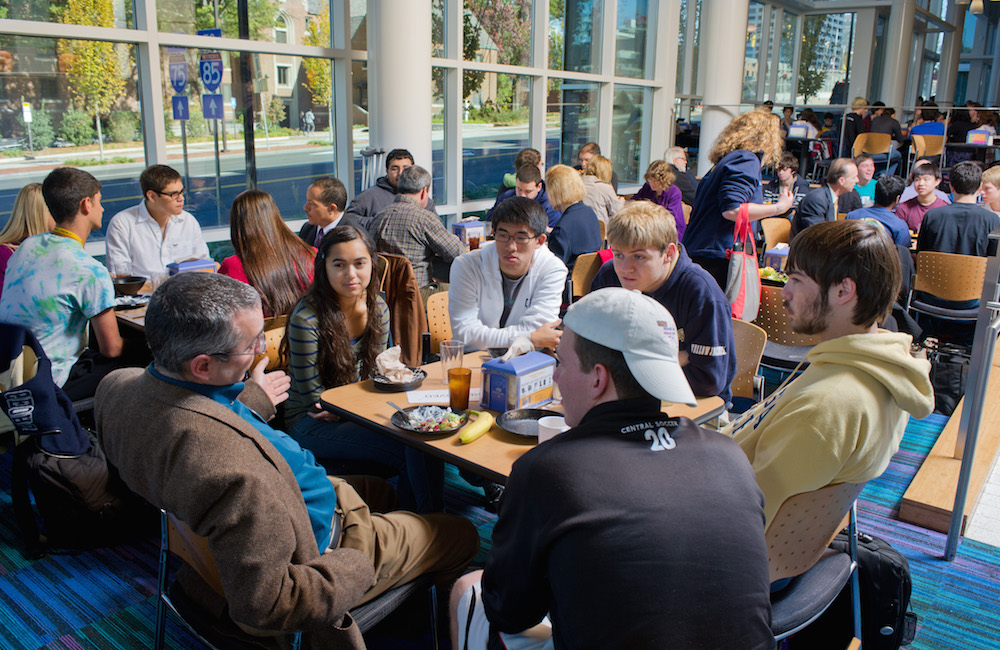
{"x": 743, "y": 281}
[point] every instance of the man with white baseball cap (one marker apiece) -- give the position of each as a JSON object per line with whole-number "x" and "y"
{"x": 632, "y": 529}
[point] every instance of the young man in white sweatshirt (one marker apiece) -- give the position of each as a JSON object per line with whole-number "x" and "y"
{"x": 842, "y": 419}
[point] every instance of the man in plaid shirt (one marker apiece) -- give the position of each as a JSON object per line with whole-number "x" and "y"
{"x": 406, "y": 228}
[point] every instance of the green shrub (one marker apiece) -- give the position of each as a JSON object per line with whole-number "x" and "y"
{"x": 123, "y": 126}
{"x": 197, "y": 125}
{"x": 77, "y": 127}
{"x": 12, "y": 153}
{"x": 42, "y": 133}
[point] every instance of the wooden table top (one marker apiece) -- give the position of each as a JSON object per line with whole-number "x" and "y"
{"x": 490, "y": 456}
{"x": 135, "y": 317}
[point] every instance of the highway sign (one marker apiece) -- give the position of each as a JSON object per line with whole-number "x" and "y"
{"x": 216, "y": 32}
{"x": 210, "y": 69}
{"x": 212, "y": 107}
{"x": 178, "y": 70}
{"x": 180, "y": 103}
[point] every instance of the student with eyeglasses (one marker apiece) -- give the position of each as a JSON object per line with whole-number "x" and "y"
{"x": 143, "y": 239}
{"x": 511, "y": 286}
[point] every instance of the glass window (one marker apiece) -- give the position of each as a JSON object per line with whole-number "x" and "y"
{"x": 437, "y": 28}
{"x": 681, "y": 47}
{"x": 95, "y": 13}
{"x": 495, "y": 128}
{"x": 359, "y": 120}
{"x": 571, "y": 110}
{"x": 282, "y": 73}
{"x": 269, "y": 22}
{"x": 826, "y": 51}
{"x": 359, "y": 25}
{"x": 574, "y": 34}
{"x": 280, "y": 29}
{"x": 81, "y": 115}
{"x": 752, "y": 52}
{"x": 969, "y": 33}
{"x": 439, "y": 111}
{"x": 786, "y": 59}
{"x": 502, "y": 31}
{"x": 630, "y": 107}
{"x": 630, "y": 39}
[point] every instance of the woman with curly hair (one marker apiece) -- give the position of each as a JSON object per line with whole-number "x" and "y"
{"x": 749, "y": 142}
{"x": 269, "y": 256}
{"x": 332, "y": 338}
{"x": 28, "y": 217}
{"x": 660, "y": 189}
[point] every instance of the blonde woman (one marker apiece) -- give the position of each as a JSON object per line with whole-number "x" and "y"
{"x": 578, "y": 230}
{"x": 660, "y": 189}
{"x": 749, "y": 142}
{"x": 29, "y": 217}
{"x": 601, "y": 196}
{"x": 991, "y": 189}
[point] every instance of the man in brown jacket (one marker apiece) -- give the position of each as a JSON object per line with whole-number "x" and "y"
{"x": 296, "y": 549}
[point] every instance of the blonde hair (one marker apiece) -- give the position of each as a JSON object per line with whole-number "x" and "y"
{"x": 642, "y": 224}
{"x": 859, "y": 102}
{"x": 659, "y": 171}
{"x": 29, "y": 216}
{"x": 600, "y": 167}
{"x": 565, "y": 187}
{"x": 755, "y": 132}
{"x": 992, "y": 176}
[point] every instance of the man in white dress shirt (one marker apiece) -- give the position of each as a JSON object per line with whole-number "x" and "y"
{"x": 143, "y": 239}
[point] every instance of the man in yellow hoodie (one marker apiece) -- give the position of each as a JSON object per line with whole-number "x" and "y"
{"x": 842, "y": 419}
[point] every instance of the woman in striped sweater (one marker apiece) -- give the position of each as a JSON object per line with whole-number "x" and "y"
{"x": 332, "y": 338}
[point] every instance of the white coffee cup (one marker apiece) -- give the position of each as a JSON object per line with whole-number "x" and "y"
{"x": 550, "y": 427}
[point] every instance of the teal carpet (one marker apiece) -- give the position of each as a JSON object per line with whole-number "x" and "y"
{"x": 106, "y": 598}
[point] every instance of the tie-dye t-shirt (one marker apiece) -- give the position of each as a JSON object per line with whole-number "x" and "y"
{"x": 53, "y": 287}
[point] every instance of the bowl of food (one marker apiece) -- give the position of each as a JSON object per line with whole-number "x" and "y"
{"x": 128, "y": 285}
{"x": 430, "y": 419}
{"x": 393, "y": 386}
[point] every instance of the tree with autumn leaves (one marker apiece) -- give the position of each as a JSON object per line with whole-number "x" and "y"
{"x": 319, "y": 79}
{"x": 97, "y": 70}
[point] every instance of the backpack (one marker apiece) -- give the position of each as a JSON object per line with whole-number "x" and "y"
{"x": 81, "y": 500}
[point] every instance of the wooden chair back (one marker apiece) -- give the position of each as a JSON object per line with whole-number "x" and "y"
{"x": 949, "y": 276}
{"x": 777, "y": 230}
{"x": 438, "y": 320}
{"x": 876, "y": 143}
{"x": 859, "y": 144}
{"x": 193, "y": 550}
{"x": 804, "y": 526}
{"x": 274, "y": 331}
{"x": 584, "y": 271}
{"x": 604, "y": 233}
{"x": 381, "y": 271}
{"x": 750, "y": 340}
{"x": 925, "y": 146}
{"x": 687, "y": 212}
{"x": 773, "y": 319}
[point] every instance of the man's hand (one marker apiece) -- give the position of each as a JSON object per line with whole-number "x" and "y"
{"x": 547, "y": 336}
{"x": 275, "y": 383}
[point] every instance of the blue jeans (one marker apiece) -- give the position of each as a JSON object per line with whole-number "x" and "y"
{"x": 421, "y": 478}
{"x": 894, "y": 158}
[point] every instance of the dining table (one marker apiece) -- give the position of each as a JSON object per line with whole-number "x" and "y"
{"x": 493, "y": 454}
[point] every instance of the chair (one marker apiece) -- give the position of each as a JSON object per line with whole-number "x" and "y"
{"x": 949, "y": 277}
{"x": 584, "y": 271}
{"x": 927, "y": 146}
{"x": 777, "y": 230}
{"x": 274, "y": 331}
{"x": 798, "y": 547}
{"x": 178, "y": 539}
{"x": 438, "y": 320}
{"x": 873, "y": 143}
{"x": 750, "y": 340}
{"x": 784, "y": 349}
{"x": 604, "y": 232}
{"x": 687, "y": 212}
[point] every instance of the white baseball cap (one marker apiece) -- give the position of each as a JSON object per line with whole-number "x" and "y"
{"x": 642, "y": 330}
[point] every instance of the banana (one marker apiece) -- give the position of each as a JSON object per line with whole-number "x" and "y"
{"x": 483, "y": 423}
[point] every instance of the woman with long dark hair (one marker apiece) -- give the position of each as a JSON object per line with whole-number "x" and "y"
{"x": 269, "y": 256}
{"x": 332, "y": 338}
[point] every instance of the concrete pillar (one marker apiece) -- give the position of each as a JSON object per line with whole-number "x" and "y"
{"x": 724, "y": 35}
{"x": 863, "y": 59}
{"x": 399, "y": 76}
{"x": 951, "y": 51}
{"x": 898, "y": 41}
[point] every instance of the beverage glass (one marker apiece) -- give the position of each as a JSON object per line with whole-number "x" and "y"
{"x": 459, "y": 383}
{"x": 473, "y": 242}
{"x": 121, "y": 270}
{"x": 452, "y": 356}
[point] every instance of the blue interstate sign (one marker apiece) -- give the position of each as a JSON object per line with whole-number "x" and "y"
{"x": 212, "y": 107}
{"x": 180, "y": 104}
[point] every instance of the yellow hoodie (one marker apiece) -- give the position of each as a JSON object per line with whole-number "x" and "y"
{"x": 840, "y": 421}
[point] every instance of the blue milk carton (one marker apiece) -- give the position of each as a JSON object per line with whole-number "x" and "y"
{"x": 523, "y": 382}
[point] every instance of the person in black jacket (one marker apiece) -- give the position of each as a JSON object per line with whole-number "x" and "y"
{"x": 683, "y": 178}
{"x": 822, "y": 203}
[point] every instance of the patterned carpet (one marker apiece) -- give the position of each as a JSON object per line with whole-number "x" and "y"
{"x": 105, "y": 598}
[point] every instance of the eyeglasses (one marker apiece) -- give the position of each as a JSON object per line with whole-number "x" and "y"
{"x": 259, "y": 347}
{"x": 504, "y": 237}
{"x": 171, "y": 195}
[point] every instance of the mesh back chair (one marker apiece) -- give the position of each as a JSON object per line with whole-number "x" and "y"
{"x": 178, "y": 539}
{"x": 927, "y": 146}
{"x": 584, "y": 271}
{"x": 274, "y": 331}
{"x": 873, "y": 143}
{"x": 798, "y": 542}
{"x": 750, "y": 342}
{"x": 438, "y": 321}
{"x": 947, "y": 276}
{"x": 784, "y": 349}
{"x": 777, "y": 230}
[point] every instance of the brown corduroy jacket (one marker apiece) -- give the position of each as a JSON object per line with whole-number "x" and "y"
{"x": 212, "y": 469}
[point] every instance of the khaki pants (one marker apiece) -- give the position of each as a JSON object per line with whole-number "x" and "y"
{"x": 401, "y": 545}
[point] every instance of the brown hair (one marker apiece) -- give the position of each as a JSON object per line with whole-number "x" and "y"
{"x": 600, "y": 167}
{"x": 155, "y": 177}
{"x": 275, "y": 260}
{"x": 789, "y": 161}
{"x": 755, "y": 132}
{"x": 335, "y": 359}
{"x": 28, "y": 217}
{"x": 832, "y": 251}
{"x": 659, "y": 171}
{"x": 527, "y": 156}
